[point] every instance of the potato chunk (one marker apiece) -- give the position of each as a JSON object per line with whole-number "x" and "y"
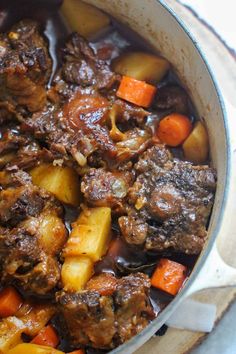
{"x": 141, "y": 66}
{"x": 90, "y": 234}
{"x": 52, "y": 232}
{"x": 28, "y": 348}
{"x": 63, "y": 182}
{"x": 83, "y": 18}
{"x": 196, "y": 146}
{"x": 75, "y": 273}
{"x": 31, "y": 322}
{"x": 11, "y": 329}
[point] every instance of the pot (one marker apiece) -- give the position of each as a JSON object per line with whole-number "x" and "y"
{"x": 160, "y": 26}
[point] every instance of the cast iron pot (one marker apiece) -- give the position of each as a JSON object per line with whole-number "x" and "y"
{"x": 162, "y": 28}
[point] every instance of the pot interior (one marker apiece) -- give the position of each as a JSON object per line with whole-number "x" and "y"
{"x": 163, "y": 30}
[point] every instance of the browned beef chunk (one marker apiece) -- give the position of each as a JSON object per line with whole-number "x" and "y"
{"x": 170, "y": 201}
{"x": 23, "y": 256}
{"x": 134, "y": 228}
{"x": 172, "y": 98}
{"x": 22, "y": 150}
{"x": 90, "y": 318}
{"x": 127, "y": 111}
{"x": 22, "y": 260}
{"x": 104, "y": 188}
{"x": 30, "y": 155}
{"x": 19, "y": 199}
{"x": 133, "y": 308}
{"x": 107, "y": 321}
{"x": 24, "y": 66}
{"x": 18, "y": 203}
{"x": 82, "y": 67}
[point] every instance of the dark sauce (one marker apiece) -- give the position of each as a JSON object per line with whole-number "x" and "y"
{"x": 120, "y": 259}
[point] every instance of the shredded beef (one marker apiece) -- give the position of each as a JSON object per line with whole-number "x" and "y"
{"x": 170, "y": 201}
{"x": 106, "y": 321}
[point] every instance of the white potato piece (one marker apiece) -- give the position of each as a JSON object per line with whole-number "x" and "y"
{"x": 63, "y": 182}
{"x": 196, "y": 146}
{"x": 90, "y": 234}
{"x": 75, "y": 273}
{"x": 83, "y": 18}
{"x": 141, "y": 66}
{"x": 29, "y": 348}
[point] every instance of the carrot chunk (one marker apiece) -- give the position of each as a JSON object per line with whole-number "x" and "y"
{"x": 10, "y": 302}
{"x": 136, "y": 91}
{"x": 169, "y": 276}
{"x": 103, "y": 283}
{"x": 47, "y": 336}
{"x": 79, "y": 351}
{"x": 174, "y": 129}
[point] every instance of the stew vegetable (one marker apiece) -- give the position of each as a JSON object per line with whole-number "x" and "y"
{"x": 106, "y": 187}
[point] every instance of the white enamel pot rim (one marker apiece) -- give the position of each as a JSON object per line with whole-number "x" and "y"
{"x": 211, "y": 270}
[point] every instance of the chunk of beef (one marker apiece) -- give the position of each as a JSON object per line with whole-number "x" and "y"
{"x": 18, "y": 203}
{"x": 133, "y": 310}
{"x": 134, "y": 228}
{"x": 82, "y": 67}
{"x": 106, "y": 321}
{"x": 22, "y": 260}
{"x": 170, "y": 201}
{"x": 22, "y": 150}
{"x": 90, "y": 318}
{"x": 127, "y": 111}
{"x": 104, "y": 188}
{"x": 24, "y": 66}
{"x": 29, "y": 156}
{"x": 19, "y": 199}
{"x": 62, "y": 141}
{"x": 172, "y": 98}
{"x": 24, "y": 257}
